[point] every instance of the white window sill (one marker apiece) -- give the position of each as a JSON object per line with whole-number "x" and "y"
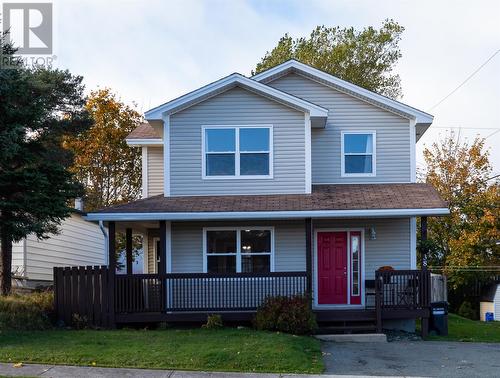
{"x": 256, "y": 177}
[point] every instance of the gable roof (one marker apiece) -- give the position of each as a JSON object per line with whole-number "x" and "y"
{"x": 325, "y": 201}
{"x": 317, "y": 113}
{"x": 293, "y": 65}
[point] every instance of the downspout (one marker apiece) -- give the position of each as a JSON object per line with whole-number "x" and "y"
{"x": 103, "y": 230}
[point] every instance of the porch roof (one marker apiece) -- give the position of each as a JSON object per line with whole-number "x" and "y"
{"x": 325, "y": 201}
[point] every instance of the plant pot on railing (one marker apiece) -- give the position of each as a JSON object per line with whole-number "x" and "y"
{"x": 386, "y": 277}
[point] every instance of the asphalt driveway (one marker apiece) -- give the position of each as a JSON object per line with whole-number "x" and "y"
{"x": 413, "y": 359}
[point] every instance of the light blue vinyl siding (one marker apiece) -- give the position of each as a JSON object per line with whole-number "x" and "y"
{"x": 187, "y": 244}
{"x": 392, "y": 246}
{"x": 237, "y": 107}
{"x": 349, "y": 113}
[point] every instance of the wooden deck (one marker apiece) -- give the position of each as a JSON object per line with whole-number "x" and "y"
{"x": 105, "y": 299}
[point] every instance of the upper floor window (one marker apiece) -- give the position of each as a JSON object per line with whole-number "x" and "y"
{"x": 358, "y": 153}
{"x": 237, "y": 151}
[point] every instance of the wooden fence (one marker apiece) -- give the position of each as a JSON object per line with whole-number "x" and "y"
{"x": 83, "y": 294}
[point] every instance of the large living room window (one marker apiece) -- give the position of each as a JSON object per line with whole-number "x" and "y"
{"x": 237, "y": 152}
{"x": 230, "y": 250}
{"x": 358, "y": 154}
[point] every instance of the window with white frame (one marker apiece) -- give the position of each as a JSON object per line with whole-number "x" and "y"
{"x": 247, "y": 250}
{"x": 358, "y": 153}
{"x": 237, "y": 151}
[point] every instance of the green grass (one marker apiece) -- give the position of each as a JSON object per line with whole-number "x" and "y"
{"x": 463, "y": 329}
{"x": 226, "y": 349}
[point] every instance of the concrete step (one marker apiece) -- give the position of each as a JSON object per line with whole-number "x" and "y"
{"x": 354, "y": 338}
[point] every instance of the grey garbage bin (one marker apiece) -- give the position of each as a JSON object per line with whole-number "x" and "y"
{"x": 439, "y": 318}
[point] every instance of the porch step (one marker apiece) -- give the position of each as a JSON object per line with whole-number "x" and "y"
{"x": 346, "y": 328}
{"x": 325, "y": 316}
{"x": 361, "y": 338}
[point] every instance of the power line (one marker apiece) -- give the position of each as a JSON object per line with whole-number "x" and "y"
{"x": 466, "y": 127}
{"x": 466, "y": 80}
{"x": 493, "y": 133}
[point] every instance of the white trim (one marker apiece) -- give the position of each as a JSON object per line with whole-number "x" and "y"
{"x": 418, "y": 115}
{"x": 145, "y": 248}
{"x": 362, "y": 269}
{"x": 235, "y": 79}
{"x": 144, "y": 168}
{"x": 373, "y": 153}
{"x": 156, "y": 239}
{"x": 144, "y": 142}
{"x": 166, "y": 156}
{"x": 238, "y": 253}
{"x": 227, "y": 215}
{"x": 237, "y": 152}
{"x": 413, "y": 156}
{"x": 308, "y": 152}
{"x": 413, "y": 243}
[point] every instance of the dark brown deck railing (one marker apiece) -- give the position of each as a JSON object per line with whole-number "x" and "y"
{"x": 203, "y": 292}
{"x": 403, "y": 289}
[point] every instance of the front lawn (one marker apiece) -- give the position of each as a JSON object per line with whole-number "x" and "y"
{"x": 227, "y": 349}
{"x": 463, "y": 329}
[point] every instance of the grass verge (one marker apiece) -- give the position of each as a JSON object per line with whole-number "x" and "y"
{"x": 463, "y": 329}
{"x": 243, "y": 350}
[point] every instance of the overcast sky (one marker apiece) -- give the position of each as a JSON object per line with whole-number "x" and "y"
{"x": 152, "y": 51}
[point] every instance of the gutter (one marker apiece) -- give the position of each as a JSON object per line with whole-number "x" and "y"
{"x": 372, "y": 213}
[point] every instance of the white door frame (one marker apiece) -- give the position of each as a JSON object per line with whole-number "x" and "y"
{"x": 349, "y": 266}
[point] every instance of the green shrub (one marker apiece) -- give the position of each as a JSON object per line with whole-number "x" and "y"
{"x": 286, "y": 314}
{"x": 27, "y": 311}
{"x": 467, "y": 311}
{"x": 213, "y": 322}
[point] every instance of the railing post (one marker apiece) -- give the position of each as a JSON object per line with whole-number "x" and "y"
{"x": 128, "y": 249}
{"x": 309, "y": 249}
{"x": 111, "y": 272}
{"x": 378, "y": 301}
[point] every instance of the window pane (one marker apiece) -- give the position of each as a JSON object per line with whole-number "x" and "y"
{"x": 358, "y": 143}
{"x": 221, "y": 241}
{"x": 255, "y": 264}
{"x": 220, "y": 140}
{"x": 220, "y": 165}
{"x": 221, "y": 264}
{"x": 254, "y": 139}
{"x": 358, "y": 164}
{"x": 355, "y": 248}
{"x": 255, "y": 241}
{"x": 254, "y": 164}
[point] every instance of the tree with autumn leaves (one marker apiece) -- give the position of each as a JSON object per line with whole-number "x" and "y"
{"x": 465, "y": 243}
{"x": 109, "y": 169}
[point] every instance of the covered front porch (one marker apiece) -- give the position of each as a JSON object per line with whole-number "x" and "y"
{"x": 182, "y": 284}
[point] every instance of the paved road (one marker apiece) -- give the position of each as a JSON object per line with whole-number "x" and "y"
{"x": 413, "y": 358}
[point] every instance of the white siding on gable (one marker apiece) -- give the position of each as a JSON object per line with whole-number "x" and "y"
{"x": 155, "y": 171}
{"x": 349, "y": 113}
{"x": 79, "y": 243}
{"x": 237, "y": 107}
{"x": 18, "y": 258}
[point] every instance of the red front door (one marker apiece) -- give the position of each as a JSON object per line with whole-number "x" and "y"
{"x": 332, "y": 267}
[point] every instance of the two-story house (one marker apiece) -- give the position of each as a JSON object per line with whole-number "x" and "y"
{"x": 288, "y": 182}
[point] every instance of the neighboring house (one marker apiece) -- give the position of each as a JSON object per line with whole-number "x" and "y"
{"x": 80, "y": 242}
{"x": 289, "y": 182}
{"x": 490, "y": 301}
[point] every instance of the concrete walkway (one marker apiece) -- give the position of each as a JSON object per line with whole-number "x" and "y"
{"x": 413, "y": 358}
{"x": 59, "y": 371}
